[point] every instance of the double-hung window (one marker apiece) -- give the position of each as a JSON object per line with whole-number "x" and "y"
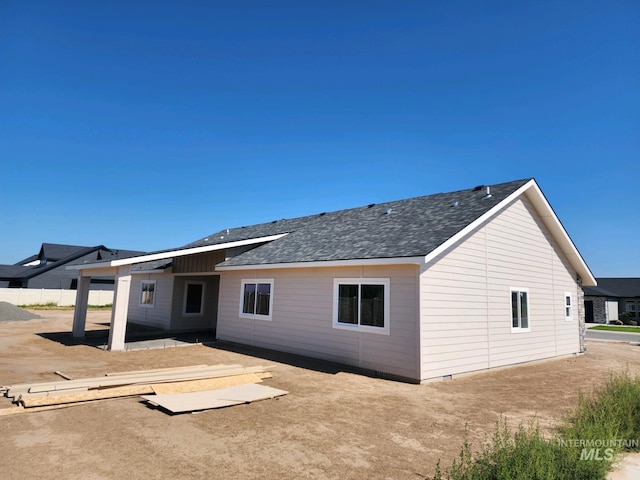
{"x": 147, "y": 293}
{"x": 256, "y": 299}
{"x": 519, "y": 309}
{"x": 361, "y": 303}
{"x": 568, "y": 306}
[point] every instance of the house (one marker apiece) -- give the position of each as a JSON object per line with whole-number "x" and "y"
{"x": 47, "y": 268}
{"x": 612, "y": 297}
{"x": 415, "y": 289}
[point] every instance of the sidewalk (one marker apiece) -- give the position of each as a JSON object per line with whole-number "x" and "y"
{"x": 627, "y": 469}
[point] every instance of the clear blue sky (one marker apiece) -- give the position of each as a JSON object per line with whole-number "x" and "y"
{"x": 147, "y": 125}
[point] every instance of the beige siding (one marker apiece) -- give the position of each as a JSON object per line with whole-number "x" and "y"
{"x": 302, "y": 318}
{"x": 465, "y": 297}
{"x": 157, "y": 316}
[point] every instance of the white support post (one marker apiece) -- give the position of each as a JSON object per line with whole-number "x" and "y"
{"x": 120, "y": 309}
{"x": 82, "y": 301}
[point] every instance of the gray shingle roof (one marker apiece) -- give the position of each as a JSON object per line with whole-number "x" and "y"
{"x": 404, "y": 228}
{"x": 615, "y": 287}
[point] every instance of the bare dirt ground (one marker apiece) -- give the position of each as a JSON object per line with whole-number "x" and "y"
{"x": 332, "y": 425}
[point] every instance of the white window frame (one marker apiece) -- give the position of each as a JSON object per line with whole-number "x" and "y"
{"x": 184, "y": 300}
{"x": 142, "y": 284}
{"x": 568, "y": 307}
{"x": 357, "y": 327}
{"x": 256, "y": 281}
{"x": 519, "y": 329}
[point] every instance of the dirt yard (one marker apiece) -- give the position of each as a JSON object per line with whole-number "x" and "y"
{"x": 332, "y": 425}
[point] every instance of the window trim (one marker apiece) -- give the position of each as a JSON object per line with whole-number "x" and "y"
{"x": 147, "y": 305}
{"x": 385, "y": 282}
{"x": 256, "y": 281}
{"x": 184, "y": 300}
{"x": 569, "y": 307}
{"x": 519, "y": 329}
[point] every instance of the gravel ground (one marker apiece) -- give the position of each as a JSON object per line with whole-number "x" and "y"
{"x": 9, "y": 313}
{"x": 333, "y": 424}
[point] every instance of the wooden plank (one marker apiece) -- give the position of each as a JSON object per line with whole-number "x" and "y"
{"x": 168, "y": 369}
{"x": 21, "y": 409}
{"x": 88, "y": 382}
{"x": 59, "y": 399}
{"x": 210, "y": 399}
{"x": 102, "y": 382}
{"x": 208, "y": 384}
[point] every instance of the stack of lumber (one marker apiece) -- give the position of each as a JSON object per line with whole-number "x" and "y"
{"x": 164, "y": 381}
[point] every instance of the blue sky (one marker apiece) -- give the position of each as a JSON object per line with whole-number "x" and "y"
{"x": 147, "y": 125}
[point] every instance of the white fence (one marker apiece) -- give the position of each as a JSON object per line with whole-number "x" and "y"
{"x": 34, "y": 296}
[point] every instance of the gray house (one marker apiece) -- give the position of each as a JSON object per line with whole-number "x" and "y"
{"x": 417, "y": 289}
{"x": 612, "y": 297}
{"x": 47, "y": 268}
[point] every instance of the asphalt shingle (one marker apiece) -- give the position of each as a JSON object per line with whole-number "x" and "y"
{"x": 403, "y": 228}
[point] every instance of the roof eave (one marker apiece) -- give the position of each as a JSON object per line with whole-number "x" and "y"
{"x": 326, "y": 263}
{"x": 174, "y": 253}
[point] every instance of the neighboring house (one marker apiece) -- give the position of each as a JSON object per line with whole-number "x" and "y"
{"x": 612, "y": 296}
{"x": 416, "y": 289}
{"x": 47, "y": 269}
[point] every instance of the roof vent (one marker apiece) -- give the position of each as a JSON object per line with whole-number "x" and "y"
{"x": 322, "y": 214}
{"x": 478, "y": 188}
{"x": 488, "y": 194}
{"x": 454, "y": 204}
{"x": 387, "y": 211}
{"x": 371, "y": 205}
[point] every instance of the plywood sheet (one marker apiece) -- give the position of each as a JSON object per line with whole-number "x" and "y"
{"x": 208, "y": 384}
{"x": 209, "y": 399}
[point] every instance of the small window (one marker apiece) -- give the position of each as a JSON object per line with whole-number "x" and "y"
{"x": 568, "y": 306}
{"x": 519, "y": 310}
{"x": 147, "y": 293}
{"x": 194, "y": 299}
{"x": 256, "y": 300}
{"x": 361, "y": 303}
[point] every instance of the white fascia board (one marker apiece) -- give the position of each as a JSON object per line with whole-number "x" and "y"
{"x": 328, "y": 263}
{"x": 535, "y": 195}
{"x": 561, "y": 236}
{"x": 479, "y": 221}
{"x": 175, "y": 253}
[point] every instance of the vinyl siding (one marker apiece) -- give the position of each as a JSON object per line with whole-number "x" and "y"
{"x": 157, "y": 316}
{"x": 302, "y": 318}
{"x": 465, "y": 306}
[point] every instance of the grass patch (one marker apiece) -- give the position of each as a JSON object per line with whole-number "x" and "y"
{"x": 55, "y": 306}
{"x": 611, "y": 328}
{"x": 603, "y": 425}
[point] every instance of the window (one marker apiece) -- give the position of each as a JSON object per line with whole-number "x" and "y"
{"x": 256, "y": 299}
{"x": 147, "y": 293}
{"x": 519, "y": 310}
{"x": 361, "y": 303}
{"x": 568, "y": 307}
{"x": 194, "y": 299}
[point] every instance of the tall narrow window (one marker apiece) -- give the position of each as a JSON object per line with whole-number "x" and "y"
{"x": 256, "y": 299}
{"x": 568, "y": 307}
{"x": 147, "y": 293}
{"x": 362, "y": 303}
{"x": 194, "y": 298}
{"x": 519, "y": 309}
